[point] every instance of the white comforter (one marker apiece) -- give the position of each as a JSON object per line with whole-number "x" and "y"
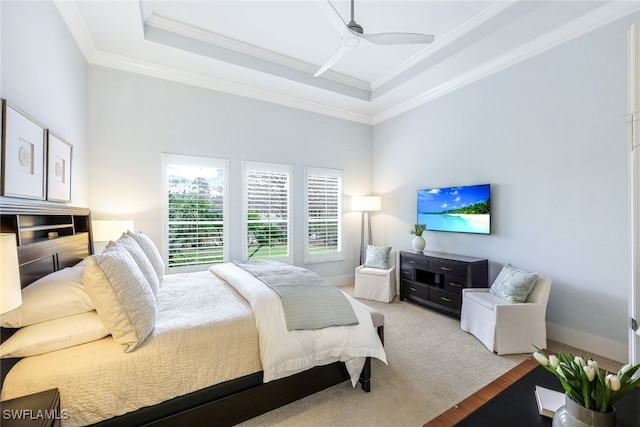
{"x": 205, "y": 334}
{"x": 284, "y": 352}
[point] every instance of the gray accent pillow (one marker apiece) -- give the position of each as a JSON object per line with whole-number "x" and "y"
{"x": 134, "y": 249}
{"x": 377, "y": 257}
{"x": 513, "y": 285}
{"x": 121, "y": 295}
{"x": 151, "y": 251}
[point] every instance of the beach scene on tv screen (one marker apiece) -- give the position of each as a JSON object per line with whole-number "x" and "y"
{"x": 460, "y": 209}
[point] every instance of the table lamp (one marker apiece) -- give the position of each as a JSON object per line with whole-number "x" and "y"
{"x": 109, "y": 229}
{"x": 10, "y": 289}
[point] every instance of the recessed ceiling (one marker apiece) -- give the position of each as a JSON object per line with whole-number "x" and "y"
{"x": 270, "y": 50}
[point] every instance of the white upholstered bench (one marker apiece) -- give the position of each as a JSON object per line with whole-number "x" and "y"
{"x": 378, "y": 321}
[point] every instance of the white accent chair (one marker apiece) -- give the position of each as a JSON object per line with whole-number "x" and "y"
{"x": 375, "y": 283}
{"x": 506, "y": 328}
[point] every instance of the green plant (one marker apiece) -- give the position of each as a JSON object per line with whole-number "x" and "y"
{"x": 417, "y": 229}
{"x": 585, "y": 383}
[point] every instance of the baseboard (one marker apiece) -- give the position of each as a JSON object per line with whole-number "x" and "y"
{"x": 342, "y": 280}
{"x": 590, "y": 343}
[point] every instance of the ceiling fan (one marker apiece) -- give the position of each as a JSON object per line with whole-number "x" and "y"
{"x": 352, "y": 34}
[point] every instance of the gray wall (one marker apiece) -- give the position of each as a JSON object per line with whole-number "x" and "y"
{"x": 549, "y": 135}
{"x": 133, "y": 119}
{"x": 44, "y": 74}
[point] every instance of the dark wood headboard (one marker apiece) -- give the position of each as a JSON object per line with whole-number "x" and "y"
{"x": 49, "y": 236}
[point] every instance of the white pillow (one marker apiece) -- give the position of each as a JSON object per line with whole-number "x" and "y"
{"x": 121, "y": 295}
{"x": 54, "y": 335}
{"x": 151, "y": 251}
{"x": 140, "y": 258}
{"x": 55, "y": 295}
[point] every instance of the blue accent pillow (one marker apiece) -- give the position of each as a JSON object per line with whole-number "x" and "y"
{"x": 377, "y": 257}
{"x": 513, "y": 285}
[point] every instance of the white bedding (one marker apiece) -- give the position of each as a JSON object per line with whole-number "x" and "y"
{"x": 284, "y": 352}
{"x": 202, "y": 323}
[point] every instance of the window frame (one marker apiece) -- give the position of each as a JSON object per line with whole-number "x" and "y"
{"x": 248, "y": 166}
{"x": 310, "y": 258}
{"x": 169, "y": 159}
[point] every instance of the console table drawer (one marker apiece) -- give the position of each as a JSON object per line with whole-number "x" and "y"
{"x": 454, "y": 284}
{"x": 407, "y": 273}
{"x": 445, "y": 298}
{"x": 414, "y": 289}
{"x": 414, "y": 260}
{"x": 450, "y": 268}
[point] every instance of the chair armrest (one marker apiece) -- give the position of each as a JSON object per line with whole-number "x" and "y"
{"x": 522, "y": 310}
{"x": 380, "y": 272}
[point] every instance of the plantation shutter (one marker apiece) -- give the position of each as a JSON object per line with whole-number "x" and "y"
{"x": 195, "y": 232}
{"x": 267, "y": 205}
{"x": 324, "y": 214}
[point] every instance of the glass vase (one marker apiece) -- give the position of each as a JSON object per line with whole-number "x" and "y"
{"x": 573, "y": 414}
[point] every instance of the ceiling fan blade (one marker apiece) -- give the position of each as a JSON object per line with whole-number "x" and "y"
{"x": 397, "y": 38}
{"x": 336, "y": 56}
{"x": 332, "y": 15}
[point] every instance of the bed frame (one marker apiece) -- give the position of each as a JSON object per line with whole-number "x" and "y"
{"x": 52, "y": 236}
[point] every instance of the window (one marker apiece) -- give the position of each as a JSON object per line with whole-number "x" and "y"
{"x": 196, "y": 212}
{"x": 323, "y": 207}
{"x": 267, "y": 205}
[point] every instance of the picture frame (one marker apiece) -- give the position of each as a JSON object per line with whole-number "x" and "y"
{"x": 58, "y": 168}
{"x": 23, "y": 155}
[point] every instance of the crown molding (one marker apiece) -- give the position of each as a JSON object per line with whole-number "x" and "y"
{"x": 124, "y": 63}
{"x": 475, "y": 21}
{"x": 580, "y": 26}
{"x": 589, "y": 22}
{"x": 209, "y": 37}
{"x": 74, "y": 22}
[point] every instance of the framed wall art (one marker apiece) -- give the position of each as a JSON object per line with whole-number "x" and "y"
{"x": 23, "y": 155}
{"x": 58, "y": 168}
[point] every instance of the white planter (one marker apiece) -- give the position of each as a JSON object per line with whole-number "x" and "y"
{"x": 418, "y": 243}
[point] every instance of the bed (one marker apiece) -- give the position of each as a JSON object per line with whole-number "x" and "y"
{"x": 220, "y": 384}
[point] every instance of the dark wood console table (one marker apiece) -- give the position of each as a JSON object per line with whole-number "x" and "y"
{"x": 436, "y": 279}
{"x": 510, "y": 400}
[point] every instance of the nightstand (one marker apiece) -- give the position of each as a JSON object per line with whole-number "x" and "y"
{"x": 34, "y": 410}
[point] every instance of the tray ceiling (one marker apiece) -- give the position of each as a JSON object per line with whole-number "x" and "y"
{"x": 270, "y": 50}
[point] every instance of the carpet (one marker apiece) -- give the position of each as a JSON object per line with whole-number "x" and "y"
{"x": 433, "y": 365}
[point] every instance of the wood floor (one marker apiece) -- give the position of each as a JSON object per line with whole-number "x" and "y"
{"x": 459, "y": 411}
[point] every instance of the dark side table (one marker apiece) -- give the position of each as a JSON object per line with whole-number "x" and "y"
{"x": 510, "y": 401}
{"x": 34, "y": 410}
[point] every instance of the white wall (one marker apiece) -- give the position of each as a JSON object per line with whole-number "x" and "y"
{"x": 133, "y": 119}
{"x": 550, "y": 136}
{"x": 45, "y": 75}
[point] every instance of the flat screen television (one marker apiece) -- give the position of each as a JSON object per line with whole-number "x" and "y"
{"x": 464, "y": 209}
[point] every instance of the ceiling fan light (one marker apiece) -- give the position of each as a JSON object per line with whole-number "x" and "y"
{"x": 351, "y": 41}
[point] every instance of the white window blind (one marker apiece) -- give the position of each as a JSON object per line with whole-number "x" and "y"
{"x": 267, "y": 211}
{"x": 323, "y": 202}
{"x": 195, "y": 232}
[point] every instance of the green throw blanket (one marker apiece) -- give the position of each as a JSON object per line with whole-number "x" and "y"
{"x": 308, "y": 300}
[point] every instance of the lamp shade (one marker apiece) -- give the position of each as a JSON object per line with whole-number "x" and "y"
{"x": 105, "y": 230}
{"x": 10, "y": 290}
{"x": 365, "y": 203}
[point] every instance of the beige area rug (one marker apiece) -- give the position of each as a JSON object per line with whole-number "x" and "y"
{"x": 433, "y": 365}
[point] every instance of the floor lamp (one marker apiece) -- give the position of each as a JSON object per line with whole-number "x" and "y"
{"x": 365, "y": 204}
